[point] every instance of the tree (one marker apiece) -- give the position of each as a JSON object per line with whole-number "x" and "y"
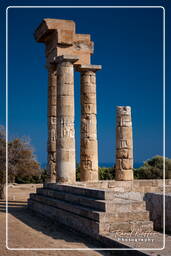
{"x": 22, "y": 165}
{"x": 153, "y": 168}
{"x": 21, "y": 160}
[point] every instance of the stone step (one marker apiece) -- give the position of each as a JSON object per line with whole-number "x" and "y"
{"x": 101, "y": 194}
{"x": 74, "y": 198}
{"x": 137, "y": 196}
{"x": 125, "y": 216}
{"x": 82, "y": 223}
{"x": 67, "y": 206}
{"x": 139, "y": 226}
{"x": 115, "y": 204}
{"x": 91, "y": 213}
{"x": 75, "y": 221}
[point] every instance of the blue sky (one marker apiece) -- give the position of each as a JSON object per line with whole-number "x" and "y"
{"x": 128, "y": 45}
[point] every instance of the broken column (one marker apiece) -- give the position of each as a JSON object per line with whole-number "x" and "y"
{"x": 65, "y": 143}
{"x": 124, "y": 144}
{"x": 51, "y": 123}
{"x": 89, "y": 145}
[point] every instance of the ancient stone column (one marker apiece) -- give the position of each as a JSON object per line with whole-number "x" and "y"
{"x": 124, "y": 144}
{"x": 65, "y": 144}
{"x": 52, "y": 123}
{"x": 89, "y": 145}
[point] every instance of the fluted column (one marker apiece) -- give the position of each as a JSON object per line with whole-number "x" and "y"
{"x": 52, "y": 85}
{"x": 65, "y": 144}
{"x": 89, "y": 144}
{"x": 124, "y": 144}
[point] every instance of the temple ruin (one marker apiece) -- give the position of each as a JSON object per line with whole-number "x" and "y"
{"x": 67, "y": 52}
{"x": 97, "y": 208}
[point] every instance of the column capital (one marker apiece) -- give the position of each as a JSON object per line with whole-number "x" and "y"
{"x": 65, "y": 58}
{"x": 85, "y": 68}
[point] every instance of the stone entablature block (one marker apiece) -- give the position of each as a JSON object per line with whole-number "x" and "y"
{"x": 60, "y": 39}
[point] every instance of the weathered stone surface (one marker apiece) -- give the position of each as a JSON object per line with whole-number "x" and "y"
{"x": 81, "y": 209}
{"x": 65, "y": 154}
{"x": 88, "y": 108}
{"x": 52, "y": 147}
{"x": 145, "y": 226}
{"x": 123, "y": 116}
{"x": 52, "y": 83}
{"x": 134, "y": 186}
{"x": 124, "y": 153}
{"x": 89, "y": 68}
{"x": 88, "y": 127}
{"x": 52, "y": 111}
{"x": 64, "y": 50}
{"x": 124, "y": 145}
{"x": 79, "y": 223}
{"x": 60, "y": 38}
{"x": 123, "y": 164}
{"x": 124, "y": 133}
{"x": 123, "y": 174}
{"x": 48, "y": 25}
{"x": 89, "y": 147}
{"x": 154, "y": 203}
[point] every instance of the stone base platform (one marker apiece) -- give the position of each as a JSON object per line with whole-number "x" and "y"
{"x": 145, "y": 186}
{"x": 98, "y": 209}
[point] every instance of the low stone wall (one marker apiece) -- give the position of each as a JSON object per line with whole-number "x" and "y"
{"x": 153, "y": 185}
{"x": 154, "y": 204}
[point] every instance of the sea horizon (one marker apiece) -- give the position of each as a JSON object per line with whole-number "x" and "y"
{"x": 103, "y": 164}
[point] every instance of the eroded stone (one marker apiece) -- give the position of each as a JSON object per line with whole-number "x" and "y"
{"x": 124, "y": 144}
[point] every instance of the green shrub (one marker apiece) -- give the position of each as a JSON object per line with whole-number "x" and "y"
{"x": 153, "y": 169}
{"x": 106, "y": 173}
{"x": 35, "y": 179}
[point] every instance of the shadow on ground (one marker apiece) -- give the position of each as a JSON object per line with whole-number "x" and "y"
{"x": 58, "y": 231}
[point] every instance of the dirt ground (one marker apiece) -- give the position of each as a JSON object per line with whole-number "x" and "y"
{"x": 26, "y": 230}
